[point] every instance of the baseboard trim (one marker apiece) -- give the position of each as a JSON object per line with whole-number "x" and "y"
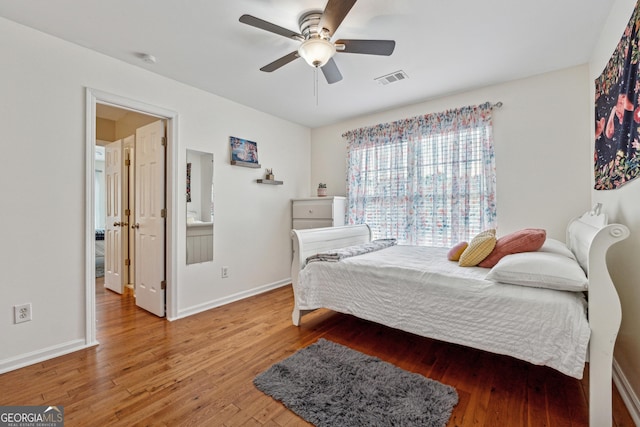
{"x": 189, "y": 311}
{"x": 13, "y": 363}
{"x": 630, "y": 399}
{"x": 37, "y": 356}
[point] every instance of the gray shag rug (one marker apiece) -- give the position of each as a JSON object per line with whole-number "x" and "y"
{"x": 329, "y": 384}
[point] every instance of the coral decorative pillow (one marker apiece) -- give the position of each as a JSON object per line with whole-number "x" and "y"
{"x": 455, "y": 252}
{"x": 479, "y": 248}
{"x": 526, "y": 240}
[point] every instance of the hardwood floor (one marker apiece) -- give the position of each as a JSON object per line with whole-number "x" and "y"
{"x": 198, "y": 371}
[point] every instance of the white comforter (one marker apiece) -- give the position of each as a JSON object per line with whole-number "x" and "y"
{"x": 416, "y": 289}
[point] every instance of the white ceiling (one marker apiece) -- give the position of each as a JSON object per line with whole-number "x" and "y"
{"x": 444, "y": 46}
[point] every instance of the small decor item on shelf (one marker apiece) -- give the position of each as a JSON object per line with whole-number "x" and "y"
{"x": 322, "y": 190}
{"x": 269, "y": 175}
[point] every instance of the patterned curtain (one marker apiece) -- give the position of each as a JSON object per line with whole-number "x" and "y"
{"x": 428, "y": 180}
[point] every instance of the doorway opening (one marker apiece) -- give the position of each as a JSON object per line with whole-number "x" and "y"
{"x": 131, "y": 160}
{"x": 118, "y": 204}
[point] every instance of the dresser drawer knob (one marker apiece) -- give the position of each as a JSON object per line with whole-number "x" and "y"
{"x": 310, "y": 210}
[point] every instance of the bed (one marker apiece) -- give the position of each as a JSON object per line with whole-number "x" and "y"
{"x": 417, "y": 290}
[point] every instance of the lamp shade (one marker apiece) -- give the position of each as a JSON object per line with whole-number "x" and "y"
{"x": 317, "y": 51}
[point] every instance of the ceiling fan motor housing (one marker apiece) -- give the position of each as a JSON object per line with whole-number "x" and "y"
{"x": 310, "y": 26}
{"x": 316, "y": 49}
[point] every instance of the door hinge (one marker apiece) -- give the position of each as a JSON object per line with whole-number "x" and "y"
{"x": 164, "y": 140}
{"x": 163, "y": 284}
{"x": 127, "y": 212}
{"x": 163, "y": 213}
{"x": 127, "y": 162}
{"x": 127, "y": 261}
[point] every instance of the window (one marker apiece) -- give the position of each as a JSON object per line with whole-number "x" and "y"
{"x": 428, "y": 180}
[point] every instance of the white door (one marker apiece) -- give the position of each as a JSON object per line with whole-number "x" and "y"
{"x": 113, "y": 258}
{"x": 149, "y": 226}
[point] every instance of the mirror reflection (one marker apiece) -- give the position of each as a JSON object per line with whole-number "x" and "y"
{"x": 199, "y": 197}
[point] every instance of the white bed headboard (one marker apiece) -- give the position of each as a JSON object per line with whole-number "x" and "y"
{"x": 589, "y": 238}
{"x": 316, "y": 240}
{"x": 583, "y": 232}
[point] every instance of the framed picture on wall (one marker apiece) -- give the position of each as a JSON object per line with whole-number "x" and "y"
{"x": 244, "y": 152}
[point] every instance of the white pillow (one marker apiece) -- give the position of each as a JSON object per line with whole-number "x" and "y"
{"x": 556, "y": 247}
{"x": 540, "y": 270}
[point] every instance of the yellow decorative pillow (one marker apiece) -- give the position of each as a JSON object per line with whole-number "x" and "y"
{"x": 479, "y": 248}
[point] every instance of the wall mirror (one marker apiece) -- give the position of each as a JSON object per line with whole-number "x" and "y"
{"x": 199, "y": 200}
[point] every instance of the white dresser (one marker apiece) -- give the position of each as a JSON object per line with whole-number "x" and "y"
{"x": 316, "y": 212}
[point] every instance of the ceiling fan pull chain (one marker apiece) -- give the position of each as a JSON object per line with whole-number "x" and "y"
{"x": 315, "y": 84}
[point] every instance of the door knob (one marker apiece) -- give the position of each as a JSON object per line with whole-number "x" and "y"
{"x": 136, "y": 225}
{"x": 116, "y": 224}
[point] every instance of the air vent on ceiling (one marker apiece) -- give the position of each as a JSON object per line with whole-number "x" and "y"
{"x": 396, "y": 76}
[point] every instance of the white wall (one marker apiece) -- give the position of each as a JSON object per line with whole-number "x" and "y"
{"x": 540, "y": 136}
{"x": 623, "y": 205}
{"x": 42, "y": 260}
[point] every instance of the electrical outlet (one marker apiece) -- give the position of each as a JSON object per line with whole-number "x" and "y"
{"x": 225, "y": 272}
{"x": 22, "y": 313}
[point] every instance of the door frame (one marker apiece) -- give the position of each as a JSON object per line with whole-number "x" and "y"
{"x": 93, "y": 97}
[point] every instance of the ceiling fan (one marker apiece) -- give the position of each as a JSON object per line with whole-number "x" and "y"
{"x": 316, "y": 29}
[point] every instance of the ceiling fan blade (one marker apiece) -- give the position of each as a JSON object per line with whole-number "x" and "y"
{"x": 280, "y": 62}
{"x": 268, "y": 26}
{"x": 331, "y": 72}
{"x": 334, "y": 13}
{"x": 369, "y": 47}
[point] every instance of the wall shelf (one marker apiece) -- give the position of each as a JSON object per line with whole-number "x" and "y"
{"x": 245, "y": 164}
{"x": 269, "y": 181}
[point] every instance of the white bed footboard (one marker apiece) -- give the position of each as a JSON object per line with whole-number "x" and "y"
{"x": 312, "y": 241}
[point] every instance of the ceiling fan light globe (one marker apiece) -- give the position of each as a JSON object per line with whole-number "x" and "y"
{"x": 316, "y": 51}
